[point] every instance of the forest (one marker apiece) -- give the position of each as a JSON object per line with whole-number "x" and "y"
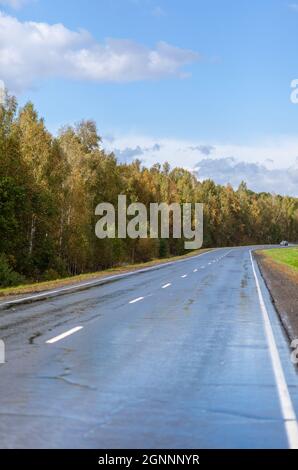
{"x": 51, "y": 185}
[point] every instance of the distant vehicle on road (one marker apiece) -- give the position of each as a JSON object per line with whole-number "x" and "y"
{"x": 284, "y": 243}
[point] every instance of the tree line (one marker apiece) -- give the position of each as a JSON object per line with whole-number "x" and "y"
{"x": 51, "y": 185}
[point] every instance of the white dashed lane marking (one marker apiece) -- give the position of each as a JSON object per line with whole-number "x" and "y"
{"x": 136, "y": 300}
{"x": 64, "y": 335}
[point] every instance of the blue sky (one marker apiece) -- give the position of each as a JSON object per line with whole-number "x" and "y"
{"x": 165, "y": 79}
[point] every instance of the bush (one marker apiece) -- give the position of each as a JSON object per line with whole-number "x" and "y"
{"x": 8, "y": 277}
{"x": 164, "y": 251}
{"x": 50, "y": 275}
{"x": 145, "y": 250}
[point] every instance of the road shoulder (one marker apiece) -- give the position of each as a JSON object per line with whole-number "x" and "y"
{"x": 282, "y": 283}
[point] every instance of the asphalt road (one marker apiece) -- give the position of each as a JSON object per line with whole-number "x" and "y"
{"x": 188, "y": 356}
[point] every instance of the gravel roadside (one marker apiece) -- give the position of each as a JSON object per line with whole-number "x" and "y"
{"x": 282, "y": 283}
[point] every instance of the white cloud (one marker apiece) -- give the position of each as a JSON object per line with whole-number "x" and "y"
{"x": 32, "y": 51}
{"x": 257, "y": 176}
{"x": 128, "y": 154}
{"x": 271, "y": 165}
{"x": 204, "y": 149}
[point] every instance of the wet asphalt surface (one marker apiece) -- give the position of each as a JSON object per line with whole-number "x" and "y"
{"x": 187, "y": 366}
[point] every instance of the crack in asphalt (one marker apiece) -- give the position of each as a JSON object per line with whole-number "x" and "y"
{"x": 67, "y": 381}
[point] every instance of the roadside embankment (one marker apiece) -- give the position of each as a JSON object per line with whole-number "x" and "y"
{"x": 279, "y": 268}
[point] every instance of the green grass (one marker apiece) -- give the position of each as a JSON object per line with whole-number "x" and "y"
{"x": 286, "y": 256}
{"x": 44, "y": 286}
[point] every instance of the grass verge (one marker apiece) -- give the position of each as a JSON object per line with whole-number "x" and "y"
{"x": 280, "y": 272}
{"x": 45, "y": 286}
{"x": 285, "y": 256}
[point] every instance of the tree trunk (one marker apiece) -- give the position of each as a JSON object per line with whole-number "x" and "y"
{"x": 32, "y": 233}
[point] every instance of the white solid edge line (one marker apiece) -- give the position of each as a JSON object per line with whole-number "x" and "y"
{"x": 136, "y": 300}
{"x": 166, "y": 286}
{"x": 64, "y": 335}
{"x": 288, "y": 412}
{"x": 103, "y": 280}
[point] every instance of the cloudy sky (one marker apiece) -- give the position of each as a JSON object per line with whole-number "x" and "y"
{"x": 202, "y": 84}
